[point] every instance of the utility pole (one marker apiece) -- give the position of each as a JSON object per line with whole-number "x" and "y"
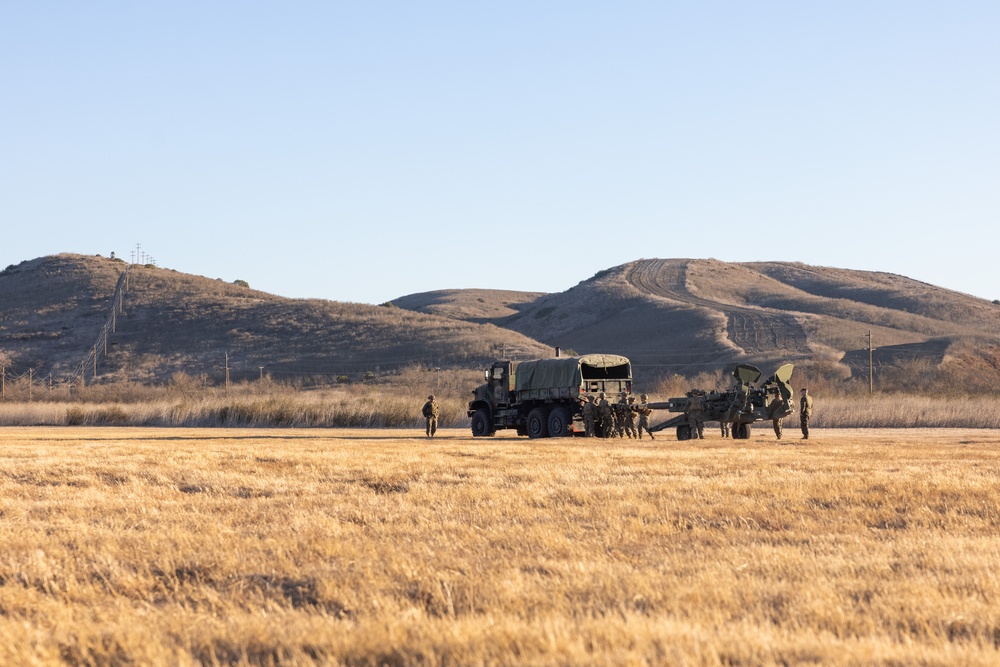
{"x": 871, "y": 367}
{"x": 31, "y": 372}
{"x": 227, "y": 375}
{"x": 3, "y": 383}
{"x": 95, "y": 361}
{"x": 261, "y": 374}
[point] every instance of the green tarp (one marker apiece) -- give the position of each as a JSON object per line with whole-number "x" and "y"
{"x": 566, "y": 371}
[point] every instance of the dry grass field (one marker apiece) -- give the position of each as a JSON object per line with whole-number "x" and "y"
{"x": 132, "y": 546}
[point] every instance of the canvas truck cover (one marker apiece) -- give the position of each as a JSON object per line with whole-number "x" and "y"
{"x": 569, "y": 371}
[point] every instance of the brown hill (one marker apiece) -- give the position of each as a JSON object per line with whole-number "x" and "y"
{"x": 670, "y": 316}
{"x": 52, "y": 311}
{"x": 685, "y": 316}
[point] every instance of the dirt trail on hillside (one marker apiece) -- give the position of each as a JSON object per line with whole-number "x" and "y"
{"x": 753, "y": 330}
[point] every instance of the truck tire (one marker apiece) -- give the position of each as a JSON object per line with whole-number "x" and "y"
{"x": 482, "y": 425}
{"x": 559, "y": 422}
{"x": 684, "y": 432}
{"x": 537, "y": 424}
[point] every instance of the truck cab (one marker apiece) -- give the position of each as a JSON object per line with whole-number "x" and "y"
{"x": 500, "y": 383}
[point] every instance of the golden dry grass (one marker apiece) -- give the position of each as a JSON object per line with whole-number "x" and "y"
{"x": 364, "y": 547}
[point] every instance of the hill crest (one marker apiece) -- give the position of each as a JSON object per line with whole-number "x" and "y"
{"x": 54, "y": 307}
{"x": 669, "y": 316}
{"x": 691, "y": 315}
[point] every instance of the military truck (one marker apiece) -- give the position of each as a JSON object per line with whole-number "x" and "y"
{"x": 741, "y": 406}
{"x": 541, "y": 398}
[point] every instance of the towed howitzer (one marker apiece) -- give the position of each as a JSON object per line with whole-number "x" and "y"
{"x": 741, "y": 406}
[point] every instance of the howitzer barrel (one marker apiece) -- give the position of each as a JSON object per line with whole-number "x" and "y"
{"x": 672, "y": 404}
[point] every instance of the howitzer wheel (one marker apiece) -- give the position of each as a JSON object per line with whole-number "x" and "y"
{"x": 537, "y": 425}
{"x": 559, "y": 421}
{"x": 482, "y": 424}
{"x": 741, "y": 431}
{"x": 684, "y": 432}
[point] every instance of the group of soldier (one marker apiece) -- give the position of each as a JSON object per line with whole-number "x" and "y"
{"x": 694, "y": 408}
{"x": 805, "y": 412}
{"x": 603, "y": 419}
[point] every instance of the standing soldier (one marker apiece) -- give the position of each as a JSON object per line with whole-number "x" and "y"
{"x": 630, "y": 419}
{"x": 805, "y": 412}
{"x": 589, "y": 411}
{"x": 695, "y": 410}
{"x": 621, "y": 408}
{"x": 605, "y": 424}
{"x": 430, "y": 413}
{"x": 644, "y": 412}
{"x": 724, "y": 427}
{"x": 773, "y": 408}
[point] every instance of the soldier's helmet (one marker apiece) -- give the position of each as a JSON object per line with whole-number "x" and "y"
{"x": 431, "y": 397}
{"x": 590, "y": 399}
{"x": 643, "y": 397}
{"x": 631, "y": 399}
{"x": 601, "y": 395}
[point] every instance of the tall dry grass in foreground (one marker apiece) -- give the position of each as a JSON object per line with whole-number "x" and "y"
{"x": 298, "y": 547}
{"x": 331, "y": 409}
{"x": 396, "y": 407}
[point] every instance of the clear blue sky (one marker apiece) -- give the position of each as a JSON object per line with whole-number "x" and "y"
{"x": 362, "y": 151}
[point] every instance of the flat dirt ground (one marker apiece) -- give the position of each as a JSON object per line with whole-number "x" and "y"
{"x": 127, "y": 546}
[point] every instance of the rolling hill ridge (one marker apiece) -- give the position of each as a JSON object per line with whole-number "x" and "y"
{"x": 686, "y": 316}
{"x": 53, "y": 308}
{"x": 669, "y": 316}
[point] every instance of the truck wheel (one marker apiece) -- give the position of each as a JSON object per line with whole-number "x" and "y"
{"x": 559, "y": 421}
{"x": 683, "y": 432}
{"x": 537, "y": 424}
{"x": 481, "y": 423}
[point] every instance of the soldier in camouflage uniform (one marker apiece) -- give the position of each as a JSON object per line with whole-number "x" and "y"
{"x": 805, "y": 412}
{"x": 644, "y": 412}
{"x": 694, "y": 408}
{"x": 604, "y": 418}
{"x": 630, "y": 419}
{"x": 589, "y": 411}
{"x": 724, "y": 427}
{"x": 430, "y": 413}
{"x": 621, "y": 409}
{"x": 773, "y": 408}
